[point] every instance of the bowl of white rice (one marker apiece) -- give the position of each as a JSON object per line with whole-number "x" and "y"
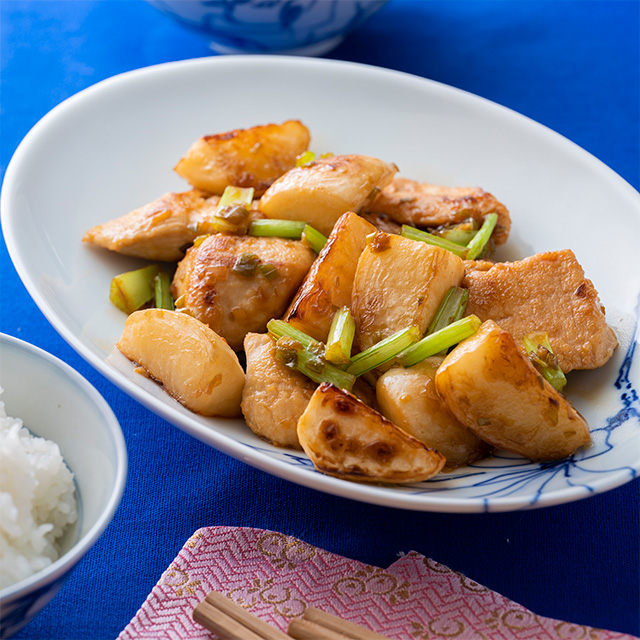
{"x": 63, "y": 466}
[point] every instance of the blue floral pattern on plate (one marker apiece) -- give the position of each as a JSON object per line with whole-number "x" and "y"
{"x": 503, "y": 476}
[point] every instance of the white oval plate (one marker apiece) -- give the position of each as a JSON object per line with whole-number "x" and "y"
{"x": 112, "y": 148}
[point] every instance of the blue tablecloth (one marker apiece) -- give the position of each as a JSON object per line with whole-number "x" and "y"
{"x": 573, "y": 66}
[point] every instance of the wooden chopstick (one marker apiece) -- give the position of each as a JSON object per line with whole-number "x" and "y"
{"x": 302, "y": 629}
{"x": 347, "y": 629}
{"x": 232, "y": 622}
{"x": 229, "y": 620}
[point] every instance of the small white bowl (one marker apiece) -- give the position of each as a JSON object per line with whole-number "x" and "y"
{"x": 57, "y": 403}
{"x": 294, "y": 27}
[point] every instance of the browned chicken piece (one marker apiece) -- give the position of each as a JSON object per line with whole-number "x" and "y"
{"x": 327, "y": 286}
{"x": 228, "y": 282}
{"x": 163, "y": 229}
{"x": 546, "y": 292}
{"x": 254, "y": 157}
{"x": 274, "y": 396}
{"x": 159, "y": 230}
{"x": 427, "y": 205}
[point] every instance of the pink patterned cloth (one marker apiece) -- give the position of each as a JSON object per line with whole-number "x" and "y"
{"x": 276, "y": 577}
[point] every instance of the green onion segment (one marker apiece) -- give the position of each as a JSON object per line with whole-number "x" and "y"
{"x": 383, "y": 351}
{"x": 131, "y": 290}
{"x": 162, "y": 292}
{"x": 538, "y": 348}
{"x": 439, "y": 341}
{"x": 313, "y": 238}
{"x": 479, "y": 241}
{"x": 423, "y": 236}
{"x": 277, "y": 228}
{"x": 451, "y": 309}
{"x": 340, "y": 340}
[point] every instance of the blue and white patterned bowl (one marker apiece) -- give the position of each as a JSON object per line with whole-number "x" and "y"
{"x": 69, "y": 411}
{"x": 297, "y": 27}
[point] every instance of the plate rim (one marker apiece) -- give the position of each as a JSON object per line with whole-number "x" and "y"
{"x": 384, "y": 496}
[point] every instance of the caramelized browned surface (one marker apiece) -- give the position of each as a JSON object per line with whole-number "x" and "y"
{"x": 327, "y": 286}
{"x": 233, "y": 304}
{"x": 427, "y": 205}
{"x": 253, "y": 157}
{"x": 345, "y": 438}
{"x": 546, "y": 292}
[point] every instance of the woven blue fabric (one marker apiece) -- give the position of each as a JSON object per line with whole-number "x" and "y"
{"x": 573, "y": 66}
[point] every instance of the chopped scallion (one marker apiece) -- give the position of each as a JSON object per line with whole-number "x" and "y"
{"x": 131, "y": 290}
{"x": 451, "y": 309}
{"x": 461, "y": 233}
{"x": 480, "y": 240}
{"x": 538, "y": 348}
{"x": 417, "y": 234}
{"x": 232, "y": 213}
{"x": 318, "y": 370}
{"x": 305, "y": 158}
{"x": 383, "y": 351}
{"x": 277, "y": 228}
{"x": 162, "y": 292}
{"x": 235, "y": 196}
{"x": 340, "y": 340}
{"x": 313, "y": 238}
{"x": 268, "y": 271}
{"x": 246, "y": 265}
{"x": 439, "y": 341}
{"x": 280, "y": 329}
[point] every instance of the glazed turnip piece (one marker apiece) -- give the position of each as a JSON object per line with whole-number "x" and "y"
{"x": 347, "y": 439}
{"x": 408, "y": 397}
{"x": 493, "y": 389}
{"x": 320, "y": 192}
{"x": 399, "y": 283}
{"x": 194, "y": 364}
{"x": 327, "y": 287}
{"x": 250, "y": 158}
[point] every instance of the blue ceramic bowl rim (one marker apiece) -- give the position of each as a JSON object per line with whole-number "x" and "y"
{"x": 63, "y": 565}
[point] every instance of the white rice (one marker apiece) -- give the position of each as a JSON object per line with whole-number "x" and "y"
{"x": 37, "y": 501}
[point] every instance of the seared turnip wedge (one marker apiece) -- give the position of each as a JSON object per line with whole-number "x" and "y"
{"x": 320, "y": 192}
{"x": 408, "y": 397}
{"x": 193, "y": 364}
{"x": 254, "y": 157}
{"x": 494, "y": 390}
{"x": 399, "y": 283}
{"x": 427, "y": 205}
{"x": 347, "y": 439}
{"x": 274, "y": 396}
{"x": 548, "y": 291}
{"x": 327, "y": 286}
{"x": 236, "y": 284}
